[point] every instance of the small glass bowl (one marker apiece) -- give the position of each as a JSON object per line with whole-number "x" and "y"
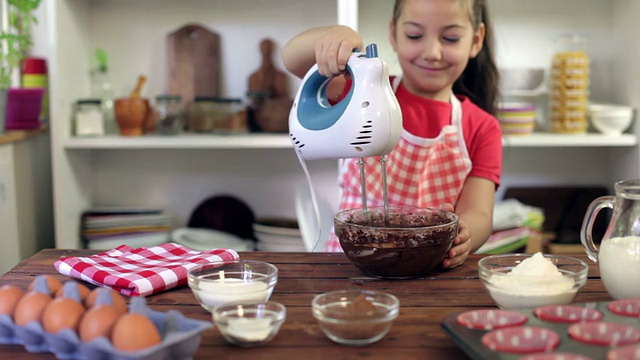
{"x": 523, "y": 291}
{"x": 355, "y": 317}
{"x": 236, "y": 281}
{"x": 249, "y": 325}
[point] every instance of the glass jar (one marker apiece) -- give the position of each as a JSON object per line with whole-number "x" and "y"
{"x": 169, "y": 114}
{"x": 88, "y": 118}
{"x": 214, "y": 114}
{"x": 200, "y": 115}
{"x": 256, "y": 101}
{"x": 569, "y": 86}
{"x": 231, "y": 116}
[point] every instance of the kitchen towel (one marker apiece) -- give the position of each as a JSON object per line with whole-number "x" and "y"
{"x": 141, "y": 271}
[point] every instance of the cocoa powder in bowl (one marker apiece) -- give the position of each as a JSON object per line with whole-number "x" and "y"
{"x": 410, "y": 243}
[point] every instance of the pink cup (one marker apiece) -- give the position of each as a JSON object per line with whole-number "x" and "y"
{"x": 23, "y": 108}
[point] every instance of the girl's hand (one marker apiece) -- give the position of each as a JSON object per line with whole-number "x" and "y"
{"x": 461, "y": 244}
{"x": 334, "y": 49}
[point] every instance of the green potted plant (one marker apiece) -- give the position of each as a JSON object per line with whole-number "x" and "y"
{"x": 21, "y": 103}
{"x": 21, "y": 17}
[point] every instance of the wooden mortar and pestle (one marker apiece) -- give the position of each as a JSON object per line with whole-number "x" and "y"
{"x": 132, "y": 113}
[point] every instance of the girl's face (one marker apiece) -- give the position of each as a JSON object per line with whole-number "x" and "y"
{"x": 434, "y": 40}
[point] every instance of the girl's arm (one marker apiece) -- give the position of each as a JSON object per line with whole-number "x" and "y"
{"x": 328, "y": 46}
{"x": 475, "y": 209}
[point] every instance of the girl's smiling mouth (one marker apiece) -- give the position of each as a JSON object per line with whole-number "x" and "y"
{"x": 431, "y": 68}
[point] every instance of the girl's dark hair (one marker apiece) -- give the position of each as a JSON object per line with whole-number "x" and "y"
{"x": 480, "y": 79}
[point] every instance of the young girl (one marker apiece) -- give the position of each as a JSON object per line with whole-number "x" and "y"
{"x": 450, "y": 152}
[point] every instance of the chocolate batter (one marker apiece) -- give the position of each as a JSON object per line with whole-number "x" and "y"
{"x": 413, "y": 244}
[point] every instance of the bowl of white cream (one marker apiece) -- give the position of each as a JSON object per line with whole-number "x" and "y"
{"x": 518, "y": 281}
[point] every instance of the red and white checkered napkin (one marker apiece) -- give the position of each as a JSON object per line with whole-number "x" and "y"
{"x": 141, "y": 271}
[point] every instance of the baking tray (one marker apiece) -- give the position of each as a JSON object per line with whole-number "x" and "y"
{"x": 469, "y": 340}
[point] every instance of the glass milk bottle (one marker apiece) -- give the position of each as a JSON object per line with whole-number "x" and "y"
{"x": 618, "y": 255}
{"x": 101, "y": 89}
{"x": 569, "y": 85}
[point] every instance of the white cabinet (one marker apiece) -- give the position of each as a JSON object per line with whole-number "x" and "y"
{"x": 178, "y": 173}
{"x": 25, "y": 199}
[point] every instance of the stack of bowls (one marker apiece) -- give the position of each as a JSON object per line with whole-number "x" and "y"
{"x": 517, "y": 118}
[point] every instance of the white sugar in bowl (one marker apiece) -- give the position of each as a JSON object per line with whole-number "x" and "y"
{"x": 517, "y": 281}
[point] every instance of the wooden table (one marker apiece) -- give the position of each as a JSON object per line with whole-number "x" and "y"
{"x": 416, "y": 333}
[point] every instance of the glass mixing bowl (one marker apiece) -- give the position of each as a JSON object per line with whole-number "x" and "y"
{"x": 410, "y": 244}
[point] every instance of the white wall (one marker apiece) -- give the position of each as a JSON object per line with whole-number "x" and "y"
{"x": 135, "y": 41}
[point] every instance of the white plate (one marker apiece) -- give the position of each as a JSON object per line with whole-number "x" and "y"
{"x": 207, "y": 239}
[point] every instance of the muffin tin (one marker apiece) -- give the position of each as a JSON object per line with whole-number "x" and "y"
{"x": 180, "y": 335}
{"x": 594, "y": 330}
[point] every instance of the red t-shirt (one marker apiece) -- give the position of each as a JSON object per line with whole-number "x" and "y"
{"x": 482, "y": 134}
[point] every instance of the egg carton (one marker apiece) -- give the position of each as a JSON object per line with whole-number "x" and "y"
{"x": 180, "y": 335}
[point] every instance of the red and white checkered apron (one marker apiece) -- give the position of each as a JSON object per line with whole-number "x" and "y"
{"x": 420, "y": 172}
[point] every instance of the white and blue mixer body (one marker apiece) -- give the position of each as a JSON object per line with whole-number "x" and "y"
{"x": 367, "y": 122}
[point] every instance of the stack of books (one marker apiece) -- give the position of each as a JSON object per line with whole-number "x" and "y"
{"x": 108, "y": 228}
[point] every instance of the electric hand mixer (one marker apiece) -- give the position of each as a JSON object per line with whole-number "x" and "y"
{"x": 367, "y": 122}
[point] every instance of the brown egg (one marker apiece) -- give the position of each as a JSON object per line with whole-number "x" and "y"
{"x": 134, "y": 332}
{"x": 118, "y": 300}
{"x": 30, "y": 307}
{"x": 82, "y": 289}
{"x": 62, "y": 313}
{"x": 9, "y": 297}
{"x": 53, "y": 283}
{"x": 98, "y": 321}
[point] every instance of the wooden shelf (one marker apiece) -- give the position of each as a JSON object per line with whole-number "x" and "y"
{"x": 11, "y": 136}
{"x": 569, "y": 140}
{"x": 186, "y": 141}
{"x": 282, "y": 141}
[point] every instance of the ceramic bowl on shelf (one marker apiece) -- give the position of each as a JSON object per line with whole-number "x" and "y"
{"x": 408, "y": 242}
{"x": 516, "y": 281}
{"x": 610, "y": 119}
{"x": 240, "y": 281}
{"x": 249, "y": 325}
{"x": 521, "y": 78}
{"x": 355, "y": 317}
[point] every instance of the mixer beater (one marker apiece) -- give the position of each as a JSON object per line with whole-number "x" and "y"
{"x": 367, "y": 122}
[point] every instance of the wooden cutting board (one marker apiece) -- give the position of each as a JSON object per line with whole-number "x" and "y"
{"x": 193, "y": 62}
{"x": 268, "y": 78}
{"x": 273, "y": 112}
